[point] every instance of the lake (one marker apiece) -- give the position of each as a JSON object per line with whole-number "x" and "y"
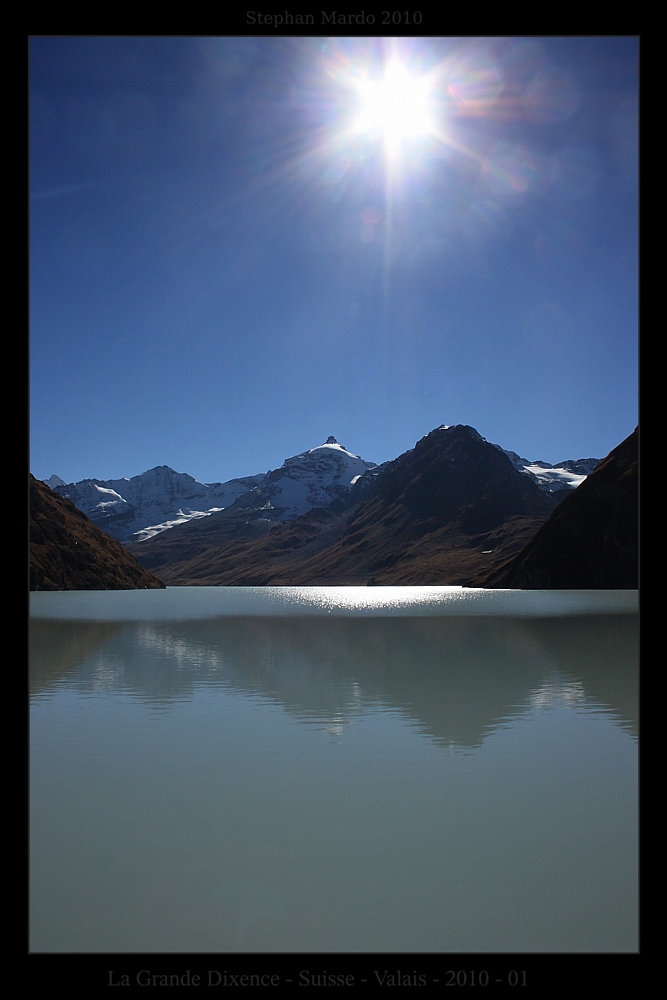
{"x": 334, "y": 770}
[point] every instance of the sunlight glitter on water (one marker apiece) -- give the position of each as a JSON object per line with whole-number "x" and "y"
{"x": 192, "y": 603}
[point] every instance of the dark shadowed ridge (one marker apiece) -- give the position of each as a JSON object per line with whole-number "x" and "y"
{"x": 591, "y": 540}
{"x": 450, "y": 508}
{"x": 69, "y": 552}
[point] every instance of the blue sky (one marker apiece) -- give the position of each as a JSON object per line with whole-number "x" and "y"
{"x": 241, "y": 245}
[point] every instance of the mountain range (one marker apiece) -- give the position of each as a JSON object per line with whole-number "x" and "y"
{"x": 452, "y": 507}
{"x": 136, "y": 509}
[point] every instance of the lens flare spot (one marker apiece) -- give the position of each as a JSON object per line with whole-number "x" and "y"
{"x": 370, "y": 216}
{"x": 552, "y": 96}
{"x": 474, "y": 84}
{"x": 509, "y": 170}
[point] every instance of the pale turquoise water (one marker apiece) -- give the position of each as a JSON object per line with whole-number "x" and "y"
{"x": 324, "y": 782}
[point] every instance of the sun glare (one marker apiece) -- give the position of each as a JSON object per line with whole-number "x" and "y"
{"x": 397, "y": 105}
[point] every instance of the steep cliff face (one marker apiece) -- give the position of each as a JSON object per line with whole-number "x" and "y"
{"x": 591, "y": 541}
{"x": 69, "y": 552}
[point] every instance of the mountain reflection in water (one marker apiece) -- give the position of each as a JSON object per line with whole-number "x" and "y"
{"x": 456, "y": 679}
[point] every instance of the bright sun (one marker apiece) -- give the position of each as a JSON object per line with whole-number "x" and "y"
{"x": 397, "y": 105}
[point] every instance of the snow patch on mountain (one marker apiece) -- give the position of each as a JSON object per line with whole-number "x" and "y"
{"x": 182, "y": 518}
{"x": 554, "y": 479}
{"x": 564, "y": 477}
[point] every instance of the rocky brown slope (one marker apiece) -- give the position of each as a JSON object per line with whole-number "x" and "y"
{"x": 591, "y": 540}
{"x": 69, "y": 552}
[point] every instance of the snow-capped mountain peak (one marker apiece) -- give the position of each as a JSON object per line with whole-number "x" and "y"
{"x": 331, "y": 443}
{"x": 311, "y": 479}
